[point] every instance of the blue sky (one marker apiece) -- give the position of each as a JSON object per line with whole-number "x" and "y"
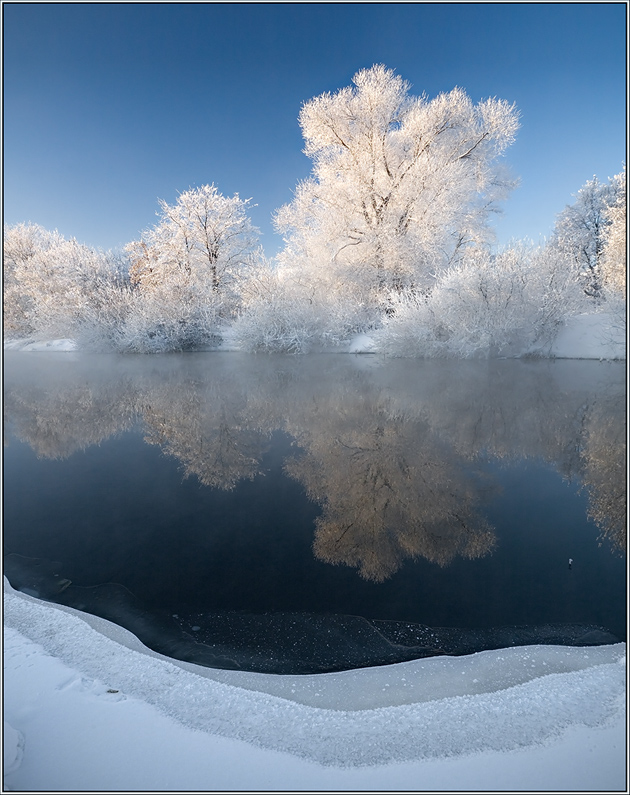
{"x": 109, "y": 106}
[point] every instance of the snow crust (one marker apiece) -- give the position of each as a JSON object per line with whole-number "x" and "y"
{"x": 432, "y": 709}
{"x": 13, "y": 748}
{"x": 63, "y": 345}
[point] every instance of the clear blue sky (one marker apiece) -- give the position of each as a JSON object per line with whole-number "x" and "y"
{"x": 109, "y": 106}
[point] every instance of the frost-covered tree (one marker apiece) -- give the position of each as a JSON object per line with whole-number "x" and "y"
{"x": 581, "y": 230}
{"x": 203, "y": 239}
{"x": 21, "y": 244}
{"x": 400, "y": 186}
{"x": 53, "y": 287}
{"x": 189, "y": 270}
{"x": 615, "y": 256}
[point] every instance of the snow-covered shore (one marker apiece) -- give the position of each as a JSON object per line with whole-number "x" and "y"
{"x": 88, "y": 707}
{"x": 588, "y": 336}
{"x": 63, "y": 345}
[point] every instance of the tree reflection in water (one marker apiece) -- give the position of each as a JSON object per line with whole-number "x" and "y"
{"x": 604, "y": 477}
{"x": 388, "y": 449}
{"x": 389, "y": 491}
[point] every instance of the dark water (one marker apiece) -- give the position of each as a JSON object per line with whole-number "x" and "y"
{"x": 306, "y": 514}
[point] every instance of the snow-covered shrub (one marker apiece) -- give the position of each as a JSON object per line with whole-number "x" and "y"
{"x": 508, "y": 304}
{"x": 282, "y": 314}
{"x": 103, "y": 325}
{"x": 164, "y": 321}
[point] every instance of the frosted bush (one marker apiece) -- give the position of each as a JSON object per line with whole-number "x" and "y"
{"x": 283, "y": 315}
{"x": 508, "y": 304}
{"x": 163, "y": 322}
{"x": 583, "y": 232}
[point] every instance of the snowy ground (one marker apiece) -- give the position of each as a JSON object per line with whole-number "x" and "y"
{"x": 87, "y": 707}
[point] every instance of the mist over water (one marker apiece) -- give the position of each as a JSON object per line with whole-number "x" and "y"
{"x": 303, "y": 514}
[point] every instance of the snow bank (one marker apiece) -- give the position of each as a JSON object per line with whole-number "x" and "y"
{"x": 596, "y": 336}
{"x": 40, "y": 345}
{"x": 362, "y": 343}
{"x": 431, "y": 709}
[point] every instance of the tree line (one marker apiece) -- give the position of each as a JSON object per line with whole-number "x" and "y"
{"x": 390, "y": 236}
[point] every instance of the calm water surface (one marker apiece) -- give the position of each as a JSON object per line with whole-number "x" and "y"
{"x": 305, "y": 514}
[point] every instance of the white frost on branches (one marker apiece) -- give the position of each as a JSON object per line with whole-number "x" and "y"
{"x": 581, "y": 229}
{"x": 389, "y": 237}
{"x": 203, "y": 240}
{"x": 401, "y": 185}
{"x": 283, "y": 313}
{"x": 188, "y": 271}
{"x": 508, "y": 304}
{"x": 615, "y": 256}
{"x": 54, "y": 287}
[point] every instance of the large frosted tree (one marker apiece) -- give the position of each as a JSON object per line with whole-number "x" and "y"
{"x": 401, "y": 185}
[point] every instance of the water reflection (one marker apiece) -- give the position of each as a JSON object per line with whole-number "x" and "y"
{"x": 59, "y": 408}
{"x": 205, "y": 426}
{"x": 388, "y": 451}
{"x": 604, "y": 477}
{"x": 389, "y": 491}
